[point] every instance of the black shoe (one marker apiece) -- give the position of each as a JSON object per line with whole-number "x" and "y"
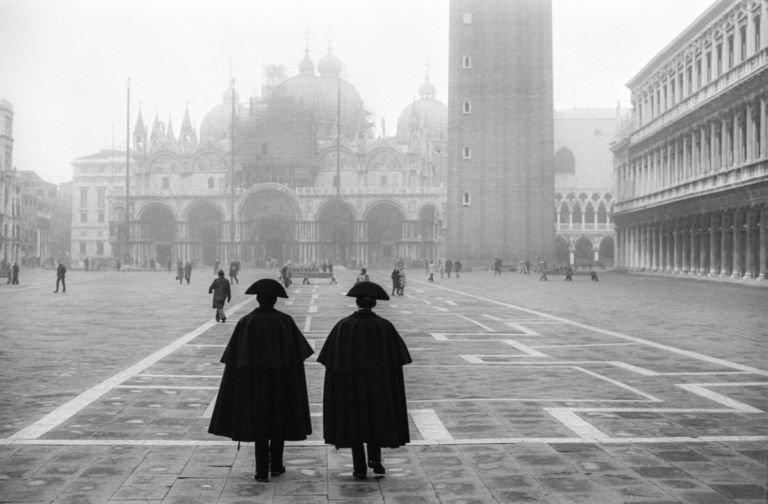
{"x": 261, "y": 478}
{"x": 217, "y": 317}
{"x": 358, "y": 475}
{"x": 376, "y": 466}
{"x": 278, "y": 472}
{"x": 223, "y": 320}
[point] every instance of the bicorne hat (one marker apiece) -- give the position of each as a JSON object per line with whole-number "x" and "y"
{"x": 267, "y": 287}
{"x": 368, "y": 289}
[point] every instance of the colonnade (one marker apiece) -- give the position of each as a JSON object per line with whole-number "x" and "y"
{"x": 725, "y": 243}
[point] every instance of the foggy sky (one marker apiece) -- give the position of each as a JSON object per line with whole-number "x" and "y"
{"x": 64, "y": 64}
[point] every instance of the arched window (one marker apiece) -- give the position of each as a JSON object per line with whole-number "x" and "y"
{"x": 564, "y": 161}
{"x": 466, "y": 108}
{"x": 602, "y": 213}
{"x": 466, "y": 199}
{"x": 166, "y": 183}
{"x": 589, "y": 214}
{"x": 576, "y": 214}
{"x": 211, "y": 183}
{"x": 564, "y": 212}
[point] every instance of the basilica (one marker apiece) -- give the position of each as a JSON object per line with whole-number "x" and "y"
{"x": 302, "y": 177}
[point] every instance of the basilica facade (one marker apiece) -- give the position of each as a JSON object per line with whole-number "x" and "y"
{"x": 302, "y": 179}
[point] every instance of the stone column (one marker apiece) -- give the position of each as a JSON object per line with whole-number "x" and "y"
{"x": 703, "y": 245}
{"x": 723, "y": 143}
{"x": 676, "y": 246}
{"x": 749, "y": 266}
{"x": 750, "y": 131}
{"x": 737, "y": 245}
{"x": 763, "y": 121}
{"x": 763, "y": 236}
{"x": 725, "y": 233}
{"x": 714, "y": 262}
{"x": 736, "y": 143}
{"x": 686, "y": 159}
{"x": 712, "y": 140}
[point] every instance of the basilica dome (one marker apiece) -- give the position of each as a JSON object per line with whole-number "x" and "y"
{"x": 426, "y": 114}
{"x": 321, "y": 92}
{"x": 216, "y": 123}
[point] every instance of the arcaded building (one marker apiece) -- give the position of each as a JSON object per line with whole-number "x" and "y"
{"x": 291, "y": 189}
{"x": 692, "y": 170}
{"x": 500, "y": 130}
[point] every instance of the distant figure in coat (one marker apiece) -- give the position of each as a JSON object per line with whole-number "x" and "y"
{"x": 263, "y": 392}
{"x": 234, "y": 269}
{"x": 448, "y": 267}
{"x": 431, "y": 270}
{"x": 457, "y": 268}
{"x": 61, "y": 273}
{"x": 187, "y": 271}
{"x": 401, "y": 281}
{"x": 364, "y": 390}
{"x": 221, "y": 294}
{"x": 395, "y": 276}
{"x": 179, "y": 272}
{"x": 363, "y": 276}
{"x": 14, "y": 276}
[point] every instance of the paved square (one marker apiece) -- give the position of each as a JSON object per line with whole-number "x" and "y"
{"x": 631, "y": 390}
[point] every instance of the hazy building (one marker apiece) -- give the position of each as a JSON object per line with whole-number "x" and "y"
{"x": 299, "y": 187}
{"x": 584, "y": 185}
{"x": 500, "y": 130}
{"x": 692, "y": 170}
{"x": 38, "y": 205}
{"x": 10, "y": 190}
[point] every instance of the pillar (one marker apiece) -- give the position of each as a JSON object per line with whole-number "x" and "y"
{"x": 714, "y": 261}
{"x": 676, "y": 246}
{"x": 723, "y": 143}
{"x": 736, "y": 246}
{"x": 725, "y": 264}
{"x": 703, "y": 245}
{"x": 763, "y": 236}
{"x": 712, "y": 141}
{"x": 694, "y": 248}
{"x": 749, "y": 266}
{"x": 763, "y": 118}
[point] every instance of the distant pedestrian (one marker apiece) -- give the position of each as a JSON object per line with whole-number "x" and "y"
{"x": 285, "y": 276}
{"x": 87, "y": 263}
{"x": 457, "y": 268}
{"x": 401, "y": 281}
{"x": 221, "y": 293}
{"x": 542, "y": 270}
{"x": 431, "y": 270}
{"x": 14, "y": 276}
{"x": 395, "y": 276}
{"x": 448, "y": 267}
{"x": 187, "y": 271}
{"x": 61, "y": 273}
{"x": 118, "y": 264}
{"x": 527, "y": 267}
{"x": 180, "y": 272}
{"x": 363, "y": 276}
{"x": 364, "y": 391}
{"x": 263, "y": 392}
{"x": 234, "y": 268}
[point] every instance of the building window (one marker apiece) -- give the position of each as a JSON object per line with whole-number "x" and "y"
{"x": 211, "y": 183}
{"x": 100, "y": 216}
{"x": 709, "y": 67}
{"x": 730, "y": 51}
{"x": 83, "y": 196}
{"x": 672, "y": 92}
{"x": 719, "y": 59}
{"x": 466, "y": 108}
{"x": 467, "y": 153}
{"x": 689, "y": 75}
{"x": 466, "y": 62}
{"x": 83, "y": 217}
{"x": 756, "y": 21}
{"x": 101, "y": 193}
{"x": 466, "y": 18}
{"x": 82, "y": 248}
{"x": 166, "y": 183}
{"x": 698, "y": 74}
{"x": 743, "y": 45}
{"x": 466, "y": 199}
{"x": 99, "y": 248}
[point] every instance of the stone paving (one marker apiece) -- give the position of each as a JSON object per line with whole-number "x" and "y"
{"x": 631, "y": 390}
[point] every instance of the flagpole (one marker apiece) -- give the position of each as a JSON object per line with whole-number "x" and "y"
{"x": 127, "y": 168}
{"x": 232, "y": 182}
{"x": 338, "y": 139}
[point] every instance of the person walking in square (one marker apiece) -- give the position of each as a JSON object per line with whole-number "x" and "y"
{"x": 401, "y": 281}
{"x": 395, "y": 276}
{"x": 180, "y": 272}
{"x": 363, "y": 276}
{"x": 457, "y": 268}
{"x": 61, "y": 273}
{"x": 222, "y": 293}
{"x": 448, "y": 267}
{"x": 187, "y": 271}
{"x": 14, "y": 276}
{"x": 234, "y": 268}
{"x": 431, "y": 269}
{"x": 263, "y": 392}
{"x": 364, "y": 391}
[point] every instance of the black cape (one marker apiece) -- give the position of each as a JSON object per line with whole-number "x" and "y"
{"x": 263, "y": 392}
{"x": 364, "y": 391}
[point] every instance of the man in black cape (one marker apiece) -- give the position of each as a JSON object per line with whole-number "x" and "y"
{"x": 263, "y": 392}
{"x": 364, "y": 391}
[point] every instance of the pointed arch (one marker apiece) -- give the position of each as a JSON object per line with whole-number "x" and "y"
{"x": 565, "y": 162}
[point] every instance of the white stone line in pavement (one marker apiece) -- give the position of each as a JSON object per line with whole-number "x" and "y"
{"x": 406, "y": 312}
{"x": 492, "y": 317}
{"x": 701, "y": 389}
{"x": 71, "y": 407}
{"x": 440, "y": 308}
{"x": 429, "y": 424}
{"x": 584, "y": 429}
{"x": 615, "y": 334}
{"x": 307, "y": 323}
{"x": 523, "y": 330}
{"x": 418, "y": 290}
{"x": 289, "y": 302}
{"x": 635, "y": 369}
{"x": 312, "y": 308}
{"x": 632, "y": 389}
{"x": 451, "y": 303}
{"x": 524, "y": 348}
{"x": 703, "y": 373}
{"x": 416, "y": 442}
{"x": 167, "y": 387}
{"x": 584, "y": 345}
{"x": 479, "y": 324}
{"x": 203, "y": 345}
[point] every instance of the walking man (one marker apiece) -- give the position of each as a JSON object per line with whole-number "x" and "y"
{"x": 61, "y": 273}
{"x": 364, "y": 391}
{"x": 187, "y": 271}
{"x": 263, "y": 392}
{"x": 14, "y": 273}
{"x": 221, "y": 294}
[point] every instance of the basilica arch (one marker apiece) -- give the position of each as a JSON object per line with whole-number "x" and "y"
{"x": 205, "y": 221}
{"x": 336, "y": 232}
{"x": 268, "y": 219}
{"x": 384, "y": 220}
{"x": 156, "y": 237}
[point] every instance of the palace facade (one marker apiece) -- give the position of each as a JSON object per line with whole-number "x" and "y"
{"x": 692, "y": 168}
{"x": 294, "y": 184}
